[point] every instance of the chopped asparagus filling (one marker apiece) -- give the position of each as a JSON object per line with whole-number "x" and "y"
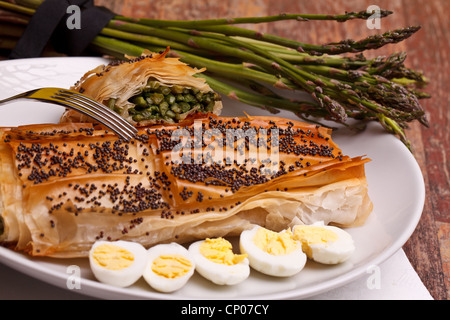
{"x": 160, "y": 102}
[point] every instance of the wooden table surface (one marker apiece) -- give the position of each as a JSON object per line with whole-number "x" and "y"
{"x": 428, "y": 249}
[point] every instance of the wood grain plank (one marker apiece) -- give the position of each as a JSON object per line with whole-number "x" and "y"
{"x": 444, "y": 238}
{"x": 428, "y": 51}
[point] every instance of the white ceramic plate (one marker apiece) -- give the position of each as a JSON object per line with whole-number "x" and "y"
{"x": 396, "y": 188}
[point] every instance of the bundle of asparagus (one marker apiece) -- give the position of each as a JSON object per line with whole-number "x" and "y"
{"x": 244, "y": 64}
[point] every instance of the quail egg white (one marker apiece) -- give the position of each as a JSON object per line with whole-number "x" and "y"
{"x": 323, "y": 243}
{"x": 169, "y": 267}
{"x": 118, "y": 263}
{"x": 216, "y": 261}
{"x": 272, "y": 253}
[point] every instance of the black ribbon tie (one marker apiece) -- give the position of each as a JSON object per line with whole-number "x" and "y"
{"x": 49, "y": 24}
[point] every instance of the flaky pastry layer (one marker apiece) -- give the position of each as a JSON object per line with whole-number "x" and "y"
{"x": 64, "y": 186}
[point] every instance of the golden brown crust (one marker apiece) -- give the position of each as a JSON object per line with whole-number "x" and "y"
{"x": 65, "y": 186}
{"x": 121, "y": 80}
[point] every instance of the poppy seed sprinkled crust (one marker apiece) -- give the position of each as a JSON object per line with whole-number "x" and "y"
{"x": 208, "y": 176}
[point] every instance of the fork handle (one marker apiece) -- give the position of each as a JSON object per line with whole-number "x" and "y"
{"x": 19, "y": 96}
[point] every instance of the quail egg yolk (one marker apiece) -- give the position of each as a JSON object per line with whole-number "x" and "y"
{"x": 310, "y": 235}
{"x": 112, "y": 257}
{"x": 219, "y": 250}
{"x": 275, "y": 243}
{"x": 171, "y": 266}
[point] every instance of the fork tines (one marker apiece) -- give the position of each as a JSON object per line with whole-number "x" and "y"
{"x": 98, "y": 111}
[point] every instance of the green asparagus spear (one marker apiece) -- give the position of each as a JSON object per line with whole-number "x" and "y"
{"x": 381, "y": 89}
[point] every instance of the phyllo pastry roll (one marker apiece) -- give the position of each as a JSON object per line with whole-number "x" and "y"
{"x": 147, "y": 89}
{"x": 62, "y": 187}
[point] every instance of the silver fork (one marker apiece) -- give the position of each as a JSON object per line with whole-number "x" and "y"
{"x": 79, "y": 102}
